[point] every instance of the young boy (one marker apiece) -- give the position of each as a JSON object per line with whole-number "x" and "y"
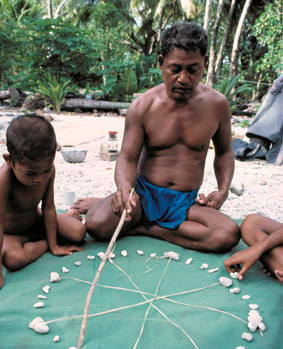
{"x": 265, "y": 238}
{"x": 26, "y": 178}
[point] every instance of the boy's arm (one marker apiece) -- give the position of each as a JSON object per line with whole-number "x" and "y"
{"x": 251, "y": 255}
{"x": 50, "y": 221}
{"x": 5, "y": 185}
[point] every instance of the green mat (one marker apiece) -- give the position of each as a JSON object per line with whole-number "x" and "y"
{"x": 121, "y": 329}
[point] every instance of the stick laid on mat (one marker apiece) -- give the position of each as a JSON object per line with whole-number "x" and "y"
{"x": 97, "y": 275}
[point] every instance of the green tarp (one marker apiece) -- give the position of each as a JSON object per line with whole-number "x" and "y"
{"x": 206, "y": 328}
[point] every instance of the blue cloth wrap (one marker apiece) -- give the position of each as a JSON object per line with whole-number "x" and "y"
{"x": 166, "y": 207}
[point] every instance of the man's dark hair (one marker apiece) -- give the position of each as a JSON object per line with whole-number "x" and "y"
{"x": 31, "y": 137}
{"x": 186, "y": 36}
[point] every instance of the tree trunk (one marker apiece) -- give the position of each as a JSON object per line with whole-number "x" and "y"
{"x": 206, "y": 16}
{"x": 49, "y": 9}
{"x": 235, "y": 50}
{"x": 88, "y": 104}
{"x": 212, "y": 55}
{"x": 225, "y": 36}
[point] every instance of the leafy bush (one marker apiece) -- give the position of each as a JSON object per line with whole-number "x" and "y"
{"x": 228, "y": 88}
{"x": 54, "y": 90}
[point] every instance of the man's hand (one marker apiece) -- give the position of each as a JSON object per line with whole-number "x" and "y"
{"x": 214, "y": 200}
{"x": 247, "y": 258}
{"x": 65, "y": 250}
{"x": 122, "y": 201}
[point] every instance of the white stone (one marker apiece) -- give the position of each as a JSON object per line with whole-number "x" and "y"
{"x": 153, "y": 254}
{"x": 38, "y": 305}
{"x": 140, "y": 252}
{"x": 39, "y": 325}
{"x": 56, "y": 339}
{"x": 234, "y": 275}
{"x": 102, "y": 254}
{"x": 189, "y": 261}
{"x": 240, "y": 347}
{"x": 225, "y": 281}
{"x": 40, "y": 296}
{"x": 46, "y": 289}
{"x": 247, "y": 336}
{"x": 235, "y": 290}
{"x": 90, "y": 257}
{"x": 78, "y": 263}
{"x": 204, "y": 266}
{"x": 54, "y": 277}
{"x": 124, "y": 253}
{"x": 246, "y": 296}
{"x": 65, "y": 270}
{"x": 173, "y": 255}
{"x": 211, "y": 271}
{"x": 253, "y": 306}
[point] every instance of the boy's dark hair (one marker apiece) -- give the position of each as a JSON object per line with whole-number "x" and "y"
{"x": 32, "y": 137}
{"x": 186, "y": 36}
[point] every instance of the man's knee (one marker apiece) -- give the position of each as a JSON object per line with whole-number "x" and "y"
{"x": 14, "y": 260}
{"x": 225, "y": 238}
{"x": 97, "y": 227}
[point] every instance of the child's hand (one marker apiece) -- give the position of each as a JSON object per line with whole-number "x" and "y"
{"x": 279, "y": 275}
{"x": 65, "y": 250}
{"x": 247, "y": 258}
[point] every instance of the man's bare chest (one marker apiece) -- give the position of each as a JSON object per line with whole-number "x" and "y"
{"x": 192, "y": 134}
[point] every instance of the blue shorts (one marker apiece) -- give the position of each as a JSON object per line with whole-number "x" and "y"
{"x": 162, "y": 206}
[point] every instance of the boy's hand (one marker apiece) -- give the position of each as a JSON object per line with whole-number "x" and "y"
{"x": 65, "y": 250}
{"x": 247, "y": 258}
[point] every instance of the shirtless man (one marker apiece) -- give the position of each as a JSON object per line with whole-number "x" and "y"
{"x": 167, "y": 134}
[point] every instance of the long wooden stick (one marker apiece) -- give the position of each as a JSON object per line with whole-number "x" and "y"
{"x": 97, "y": 275}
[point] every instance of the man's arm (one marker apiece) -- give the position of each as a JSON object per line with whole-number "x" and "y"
{"x": 127, "y": 162}
{"x": 224, "y": 161}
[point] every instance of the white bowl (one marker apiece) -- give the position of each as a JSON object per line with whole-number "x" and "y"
{"x": 74, "y": 155}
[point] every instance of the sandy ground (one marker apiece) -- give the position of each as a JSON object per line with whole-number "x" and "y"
{"x": 261, "y": 182}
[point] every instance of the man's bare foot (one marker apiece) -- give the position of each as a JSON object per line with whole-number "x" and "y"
{"x": 73, "y": 213}
{"x": 84, "y": 204}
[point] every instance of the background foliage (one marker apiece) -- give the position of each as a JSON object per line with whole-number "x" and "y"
{"x": 114, "y": 45}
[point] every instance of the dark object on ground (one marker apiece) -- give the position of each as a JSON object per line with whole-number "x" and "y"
{"x": 266, "y": 131}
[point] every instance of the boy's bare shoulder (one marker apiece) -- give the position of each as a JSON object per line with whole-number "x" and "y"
{"x": 5, "y": 177}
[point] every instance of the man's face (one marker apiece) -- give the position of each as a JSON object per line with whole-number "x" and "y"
{"x": 182, "y": 71}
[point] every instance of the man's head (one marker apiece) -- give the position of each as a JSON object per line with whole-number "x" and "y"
{"x": 30, "y": 137}
{"x": 185, "y": 36}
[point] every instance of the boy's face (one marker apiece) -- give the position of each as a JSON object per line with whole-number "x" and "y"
{"x": 33, "y": 172}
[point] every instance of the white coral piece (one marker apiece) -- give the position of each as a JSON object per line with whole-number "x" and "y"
{"x": 211, "y": 271}
{"x": 39, "y": 325}
{"x": 246, "y": 296}
{"x": 56, "y": 339}
{"x": 124, "y": 253}
{"x": 46, "y": 289}
{"x": 54, "y": 277}
{"x": 140, "y": 252}
{"x": 189, "y": 261}
{"x": 65, "y": 270}
{"x": 173, "y": 255}
{"x": 235, "y": 290}
{"x": 204, "y": 266}
{"x": 78, "y": 263}
{"x": 247, "y": 336}
{"x": 38, "y": 305}
{"x": 225, "y": 281}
